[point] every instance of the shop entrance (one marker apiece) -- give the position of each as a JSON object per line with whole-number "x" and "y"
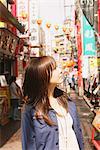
{"x": 6, "y": 67}
{"x": 1, "y": 66}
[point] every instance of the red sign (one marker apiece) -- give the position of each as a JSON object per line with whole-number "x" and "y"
{"x": 79, "y": 46}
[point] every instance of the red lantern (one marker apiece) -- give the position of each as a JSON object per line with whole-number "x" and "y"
{"x": 56, "y": 27}
{"x": 48, "y": 25}
{"x": 70, "y": 29}
{"x": 70, "y": 63}
{"x": 64, "y": 28}
{"x": 39, "y": 21}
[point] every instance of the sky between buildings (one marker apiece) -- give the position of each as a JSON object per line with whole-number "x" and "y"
{"x": 53, "y": 10}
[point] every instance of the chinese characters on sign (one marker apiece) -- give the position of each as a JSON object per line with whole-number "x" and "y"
{"x": 88, "y": 39}
{"x": 23, "y": 18}
{"x": 33, "y": 28}
{"x": 8, "y": 41}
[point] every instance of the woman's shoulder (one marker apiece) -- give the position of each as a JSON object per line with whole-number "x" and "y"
{"x": 28, "y": 109}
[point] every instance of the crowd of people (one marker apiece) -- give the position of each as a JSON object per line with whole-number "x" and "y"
{"x": 70, "y": 82}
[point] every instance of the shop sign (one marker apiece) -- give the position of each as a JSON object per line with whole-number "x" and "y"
{"x": 98, "y": 62}
{"x": 89, "y": 45}
{"x": 23, "y": 16}
{"x": 33, "y": 28}
{"x": 93, "y": 62}
{"x": 85, "y": 67}
{"x": 34, "y": 52}
{"x": 93, "y": 65}
{"x": 8, "y": 41}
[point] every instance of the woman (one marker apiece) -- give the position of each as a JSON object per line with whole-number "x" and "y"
{"x": 15, "y": 97}
{"x": 49, "y": 119}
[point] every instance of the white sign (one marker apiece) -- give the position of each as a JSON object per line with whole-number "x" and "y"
{"x": 33, "y": 28}
{"x": 85, "y": 67}
{"x": 23, "y": 16}
{"x": 3, "y": 81}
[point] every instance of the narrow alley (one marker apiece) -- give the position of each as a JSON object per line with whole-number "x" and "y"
{"x": 86, "y": 118}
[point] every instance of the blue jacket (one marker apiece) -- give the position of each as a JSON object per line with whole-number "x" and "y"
{"x": 37, "y": 135}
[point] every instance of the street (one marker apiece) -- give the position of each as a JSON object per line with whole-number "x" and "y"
{"x": 14, "y": 142}
{"x": 86, "y": 117}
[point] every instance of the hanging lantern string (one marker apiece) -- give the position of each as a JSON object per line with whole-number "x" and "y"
{"x": 56, "y": 26}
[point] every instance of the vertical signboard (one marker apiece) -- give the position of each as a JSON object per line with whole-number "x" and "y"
{"x": 85, "y": 67}
{"x": 89, "y": 47}
{"x": 23, "y": 16}
{"x": 93, "y": 65}
{"x": 33, "y": 28}
{"x": 79, "y": 47}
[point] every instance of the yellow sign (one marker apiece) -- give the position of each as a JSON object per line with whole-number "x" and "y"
{"x": 98, "y": 62}
{"x": 93, "y": 62}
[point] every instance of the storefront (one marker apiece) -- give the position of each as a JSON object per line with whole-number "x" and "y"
{"x": 9, "y": 46}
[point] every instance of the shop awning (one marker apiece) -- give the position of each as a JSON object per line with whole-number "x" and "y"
{"x": 7, "y": 17}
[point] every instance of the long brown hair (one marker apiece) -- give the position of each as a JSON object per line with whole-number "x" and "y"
{"x": 36, "y": 83}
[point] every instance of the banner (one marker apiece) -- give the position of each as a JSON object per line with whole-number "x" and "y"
{"x": 23, "y": 16}
{"x": 79, "y": 47}
{"x": 93, "y": 65}
{"x": 89, "y": 46}
{"x": 85, "y": 67}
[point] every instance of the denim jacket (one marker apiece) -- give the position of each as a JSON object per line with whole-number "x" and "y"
{"x": 37, "y": 135}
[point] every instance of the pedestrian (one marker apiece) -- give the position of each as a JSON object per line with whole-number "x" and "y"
{"x": 69, "y": 76}
{"x": 49, "y": 118}
{"x": 19, "y": 82}
{"x": 14, "y": 99}
{"x": 73, "y": 80}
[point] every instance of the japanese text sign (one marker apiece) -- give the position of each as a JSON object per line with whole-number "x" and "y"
{"x": 88, "y": 39}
